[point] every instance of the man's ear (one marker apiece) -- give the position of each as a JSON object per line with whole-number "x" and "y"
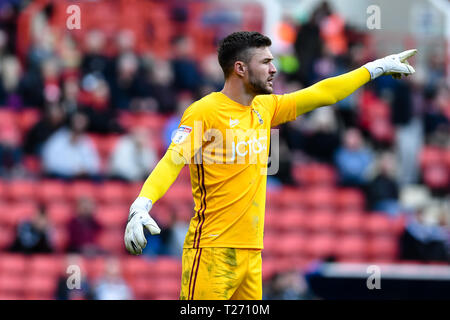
{"x": 240, "y": 68}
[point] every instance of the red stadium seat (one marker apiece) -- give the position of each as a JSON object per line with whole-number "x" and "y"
{"x": 38, "y": 287}
{"x": 379, "y": 223}
{"x": 112, "y": 215}
{"x": 79, "y": 189}
{"x": 19, "y": 212}
{"x": 3, "y": 186}
{"x": 292, "y": 220}
{"x": 269, "y": 268}
{"x": 27, "y": 118}
{"x": 13, "y": 264}
{"x": 113, "y": 192}
{"x": 138, "y": 267}
{"x": 383, "y": 248}
{"x": 315, "y": 174}
{"x": 7, "y": 236}
{"x": 350, "y": 222}
{"x": 169, "y": 288}
{"x": 60, "y": 238}
{"x": 143, "y": 289}
{"x": 430, "y": 156}
{"x": 351, "y": 248}
{"x": 320, "y": 198}
{"x": 51, "y": 190}
{"x": 320, "y": 221}
{"x": 12, "y": 284}
{"x": 184, "y": 212}
{"x": 271, "y": 245}
{"x": 291, "y": 244}
{"x": 273, "y": 199}
{"x": 133, "y": 191}
{"x": 184, "y": 175}
{"x": 45, "y": 265}
{"x": 104, "y": 145}
{"x": 22, "y": 190}
{"x": 350, "y": 199}
{"x": 437, "y": 176}
{"x": 447, "y": 157}
{"x": 11, "y": 296}
{"x": 111, "y": 240}
{"x": 179, "y": 192}
{"x": 60, "y": 213}
{"x": 95, "y": 267}
{"x": 167, "y": 267}
{"x": 271, "y": 221}
{"x": 320, "y": 246}
{"x": 7, "y": 117}
{"x": 291, "y": 198}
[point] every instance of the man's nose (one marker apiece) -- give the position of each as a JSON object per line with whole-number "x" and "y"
{"x": 272, "y": 69}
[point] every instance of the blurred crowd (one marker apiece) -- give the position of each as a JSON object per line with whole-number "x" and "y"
{"x": 376, "y": 139}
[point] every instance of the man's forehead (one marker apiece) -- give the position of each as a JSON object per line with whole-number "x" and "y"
{"x": 261, "y": 53}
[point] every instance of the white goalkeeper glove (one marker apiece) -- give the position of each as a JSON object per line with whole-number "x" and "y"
{"x": 394, "y": 64}
{"x": 138, "y": 219}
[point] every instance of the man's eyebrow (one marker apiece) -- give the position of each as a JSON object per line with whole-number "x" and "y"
{"x": 267, "y": 59}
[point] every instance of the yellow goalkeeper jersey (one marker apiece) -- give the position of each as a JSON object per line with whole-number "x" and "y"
{"x": 226, "y": 145}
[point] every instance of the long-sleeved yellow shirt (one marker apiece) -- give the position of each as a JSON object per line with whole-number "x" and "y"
{"x": 226, "y": 146}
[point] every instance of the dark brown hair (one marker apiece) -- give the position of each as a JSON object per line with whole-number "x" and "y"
{"x": 236, "y": 47}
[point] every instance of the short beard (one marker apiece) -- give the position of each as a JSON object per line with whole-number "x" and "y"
{"x": 257, "y": 86}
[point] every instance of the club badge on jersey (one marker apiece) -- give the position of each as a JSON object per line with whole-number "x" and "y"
{"x": 181, "y": 134}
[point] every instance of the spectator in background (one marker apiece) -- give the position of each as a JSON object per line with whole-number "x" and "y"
{"x": 52, "y": 119}
{"x": 425, "y": 237}
{"x": 353, "y": 160}
{"x": 11, "y": 153}
{"x": 43, "y": 87}
{"x": 159, "y": 81}
{"x": 408, "y": 131}
{"x": 70, "y": 94}
{"x": 71, "y": 287}
{"x": 308, "y": 44}
{"x": 289, "y": 285}
{"x": 10, "y": 74}
{"x": 125, "y": 42}
{"x": 112, "y": 286}
{"x": 178, "y": 230}
{"x": 133, "y": 156}
{"x": 212, "y": 75}
{"x": 184, "y": 100}
{"x": 322, "y": 139}
{"x": 94, "y": 61}
{"x": 127, "y": 85}
{"x": 32, "y": 236}
{"x": 83, "y": 228}
{"x": 69, "y": 153}
{"x": 186, "y": 72}
{"x": 281, "y": 159}
{"x": 383, "y": 190}
{"x": 436, "y": 118}
{"x": 95, "y": 102}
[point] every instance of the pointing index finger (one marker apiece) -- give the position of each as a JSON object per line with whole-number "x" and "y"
{"x": 406, "y": 54}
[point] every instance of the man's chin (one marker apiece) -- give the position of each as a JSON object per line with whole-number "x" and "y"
{"x": 265, "y": 90}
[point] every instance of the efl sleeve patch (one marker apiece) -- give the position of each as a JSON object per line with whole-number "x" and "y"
{"x": 181, "y": 134}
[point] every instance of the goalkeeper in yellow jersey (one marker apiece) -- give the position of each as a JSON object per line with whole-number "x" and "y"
{"x": 224, "y": 138}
